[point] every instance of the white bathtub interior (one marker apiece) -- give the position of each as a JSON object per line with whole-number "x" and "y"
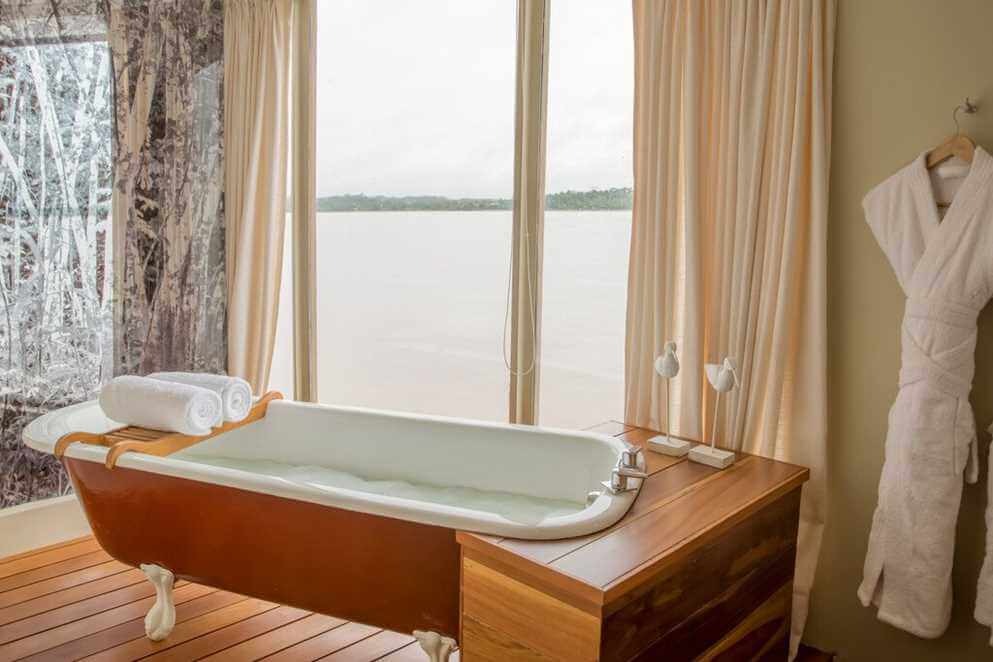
{"x": 522, "y": 474}
{"x": 513, "y": 507}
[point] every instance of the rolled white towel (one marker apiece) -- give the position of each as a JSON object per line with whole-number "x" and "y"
{"x": 161, "y": 405}
{"x": 236, "y": 394}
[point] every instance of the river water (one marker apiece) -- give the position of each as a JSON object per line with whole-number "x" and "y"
{"x": 411, "y": 312}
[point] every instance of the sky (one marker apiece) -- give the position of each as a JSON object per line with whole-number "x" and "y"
{"x": 417, "y": 98}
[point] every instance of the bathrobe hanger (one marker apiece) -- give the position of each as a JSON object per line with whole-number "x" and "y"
{"x": 958, "y": 145}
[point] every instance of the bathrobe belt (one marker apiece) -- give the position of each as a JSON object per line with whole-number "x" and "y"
{"x": 919, "y": 365}
{"x": 924, "y": 369}
{"x": 946, "y": 312}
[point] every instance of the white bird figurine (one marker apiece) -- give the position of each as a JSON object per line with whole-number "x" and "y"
{"x": 724, "y": 378}
{"x": 667, "y": 365}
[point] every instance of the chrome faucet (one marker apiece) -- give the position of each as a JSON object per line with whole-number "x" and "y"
{"x": 629, "y": 457}
{"x": 627, "y": 467}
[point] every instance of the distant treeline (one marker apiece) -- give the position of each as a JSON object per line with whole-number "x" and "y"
{"x": 611, "y": 198}
{"x": 361, "y": 202}
{"x": 614, "y": 198}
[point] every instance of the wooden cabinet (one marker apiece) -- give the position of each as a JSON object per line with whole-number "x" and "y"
{"x": 700, "y": 568}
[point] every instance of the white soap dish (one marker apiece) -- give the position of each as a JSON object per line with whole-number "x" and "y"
{"x": 668, "y": 446}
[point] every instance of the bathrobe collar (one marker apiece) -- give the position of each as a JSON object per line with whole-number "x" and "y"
{"x": 944, "y": 234}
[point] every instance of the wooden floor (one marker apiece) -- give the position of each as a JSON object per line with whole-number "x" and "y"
{"x": 73, "y": 602}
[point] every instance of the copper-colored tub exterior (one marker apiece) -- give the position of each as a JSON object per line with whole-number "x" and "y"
{"x": 385, "y": 572}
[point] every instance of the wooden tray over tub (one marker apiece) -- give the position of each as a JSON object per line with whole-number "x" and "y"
{"x": 156, "y": 442}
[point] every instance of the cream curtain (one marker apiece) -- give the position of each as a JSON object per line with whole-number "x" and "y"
{"x": 256, "y": 116}
{"x": 728, "y": 248}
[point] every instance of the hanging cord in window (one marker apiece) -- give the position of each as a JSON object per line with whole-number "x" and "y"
{"x": 532, "y": 312}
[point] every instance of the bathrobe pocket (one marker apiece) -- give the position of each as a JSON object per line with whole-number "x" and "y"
{"x": 933, "y": 431}
{"x": 928, "y": 490}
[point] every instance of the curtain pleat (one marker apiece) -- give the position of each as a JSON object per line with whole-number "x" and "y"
{"x": 256, "y": 116}
{"x": 728, "y": 246}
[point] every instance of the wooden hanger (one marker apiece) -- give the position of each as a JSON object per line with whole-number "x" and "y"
{"x": 958, "y": 145}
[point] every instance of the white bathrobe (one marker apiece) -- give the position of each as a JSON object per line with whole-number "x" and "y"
{"x": 984, "y": 591}
{"x": 945, "y": 267}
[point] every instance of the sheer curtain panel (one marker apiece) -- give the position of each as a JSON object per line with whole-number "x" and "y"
{"x": 256, "y": 117}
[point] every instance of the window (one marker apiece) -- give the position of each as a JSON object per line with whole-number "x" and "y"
{"x": 587, "y": 212}
{"x": 281, "y": 371}
{"x": 415, "y": 164}
{"x": 411, "y": 277}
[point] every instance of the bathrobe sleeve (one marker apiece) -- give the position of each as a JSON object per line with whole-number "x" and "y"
{"x": 895, "y": 220}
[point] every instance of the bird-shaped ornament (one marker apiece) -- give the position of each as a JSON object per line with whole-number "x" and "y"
{"x": 667, "y": 367}
{"x": 723, "y": 377}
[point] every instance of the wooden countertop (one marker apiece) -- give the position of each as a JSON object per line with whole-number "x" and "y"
{"x": 682, "y": 506}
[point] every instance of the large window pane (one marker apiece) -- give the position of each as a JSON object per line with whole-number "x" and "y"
{"x": 588, "y": 217}
{"x": 415, "y": 108}
{"x": 281, "y": 373}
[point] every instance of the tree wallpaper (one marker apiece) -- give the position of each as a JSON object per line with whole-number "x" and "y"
{"x": 111, "y": 206}
{"x": 168, "y": 66}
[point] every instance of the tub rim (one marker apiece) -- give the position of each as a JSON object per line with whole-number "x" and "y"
{"x": 42, "y": 433}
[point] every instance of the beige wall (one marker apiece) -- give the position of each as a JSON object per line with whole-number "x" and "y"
{"x": 901, "y": 67}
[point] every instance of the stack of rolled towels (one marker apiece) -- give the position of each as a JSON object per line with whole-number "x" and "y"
{"x": 186, "y": 402}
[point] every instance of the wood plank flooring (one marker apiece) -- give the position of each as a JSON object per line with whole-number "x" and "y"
{"x": 73, "y": 602}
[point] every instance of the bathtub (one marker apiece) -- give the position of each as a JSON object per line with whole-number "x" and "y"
{"x": 344, "y": 511}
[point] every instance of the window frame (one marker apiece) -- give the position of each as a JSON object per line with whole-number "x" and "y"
{"x": 530, "y": 134}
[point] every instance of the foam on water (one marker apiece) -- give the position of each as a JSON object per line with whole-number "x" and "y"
{"x": 514, "y": 507}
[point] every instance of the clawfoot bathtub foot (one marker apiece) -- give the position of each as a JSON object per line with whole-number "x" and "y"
{"x": 161, "y": 618}
{"x": 435, "y": 645}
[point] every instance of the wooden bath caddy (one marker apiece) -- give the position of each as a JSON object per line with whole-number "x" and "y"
{"x": 156, "y": 442}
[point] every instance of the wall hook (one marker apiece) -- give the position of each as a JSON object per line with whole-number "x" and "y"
{"x": 969, "y": 108}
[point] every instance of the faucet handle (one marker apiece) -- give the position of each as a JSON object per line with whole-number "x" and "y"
{"x": 629, "y": 457}
{"x": 628, "y": 472}
{"x": 619, "y": 479}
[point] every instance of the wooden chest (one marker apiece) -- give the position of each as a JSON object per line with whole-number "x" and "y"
{"x": 700, "y": 568}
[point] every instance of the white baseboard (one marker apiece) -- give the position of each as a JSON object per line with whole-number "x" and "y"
{"x": 41, "y": 523}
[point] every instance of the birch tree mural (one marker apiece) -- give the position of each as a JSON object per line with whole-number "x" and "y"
{"x": 111, "y": 206}
{"x": 55, "y": 240}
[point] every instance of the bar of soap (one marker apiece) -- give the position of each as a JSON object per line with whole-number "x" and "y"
{"x": 668, "y": 446}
